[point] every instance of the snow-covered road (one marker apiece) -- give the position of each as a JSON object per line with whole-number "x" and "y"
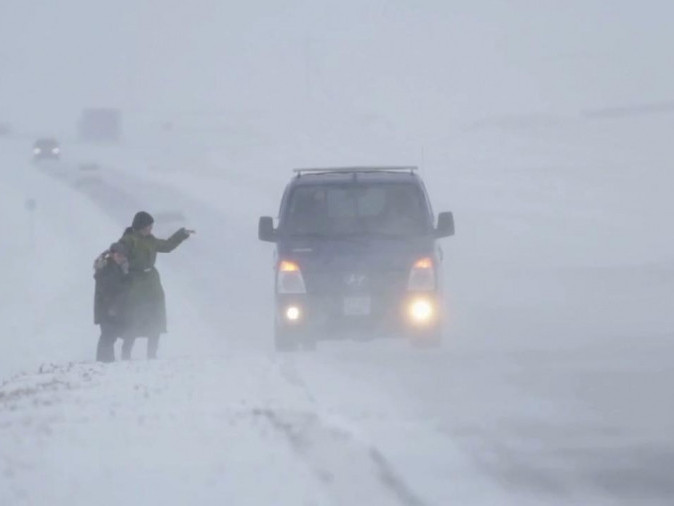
{"x": 522, "y": 406}
{"x": 180, "y": 432}
{"x": 344, "y": 426}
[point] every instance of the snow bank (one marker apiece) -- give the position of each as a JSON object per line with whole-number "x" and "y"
{"x": 52, "y": 235}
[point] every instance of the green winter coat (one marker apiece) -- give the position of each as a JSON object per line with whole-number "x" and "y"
{"x": 146, "y": 302}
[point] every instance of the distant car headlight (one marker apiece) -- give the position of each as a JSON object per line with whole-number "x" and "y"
{"x": 56, "y": 151}
{"x": 37, "y": 151}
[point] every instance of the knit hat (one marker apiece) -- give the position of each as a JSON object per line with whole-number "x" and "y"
{"x": 119, "y": 247}
{"x": 142, "y": 220}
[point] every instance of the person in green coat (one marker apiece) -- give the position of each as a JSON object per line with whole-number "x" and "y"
{"x": 146, "y": 301}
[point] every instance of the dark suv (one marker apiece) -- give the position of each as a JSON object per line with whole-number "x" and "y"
{"x": 356, "y": 254}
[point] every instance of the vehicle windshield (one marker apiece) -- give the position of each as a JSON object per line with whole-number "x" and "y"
{"x": 45, "y": 143}
{"x": 386, "y": 209}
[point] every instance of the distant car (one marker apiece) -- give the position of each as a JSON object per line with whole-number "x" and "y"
{"x": 46, "y": 148}
{"x": 357, "y": 253}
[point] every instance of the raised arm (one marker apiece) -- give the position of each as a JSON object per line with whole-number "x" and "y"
{"x": 168, "y": 245}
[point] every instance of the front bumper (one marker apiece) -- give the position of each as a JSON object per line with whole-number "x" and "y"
{"x": 335, "y": 315}
{"x": 46, "y": 156}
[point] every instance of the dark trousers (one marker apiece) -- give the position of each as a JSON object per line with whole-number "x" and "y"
{"x": 105, "y": 351}
{"x": 152, "y": 346}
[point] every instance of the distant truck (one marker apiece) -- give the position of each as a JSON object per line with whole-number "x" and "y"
{"x": 100, "y": 124}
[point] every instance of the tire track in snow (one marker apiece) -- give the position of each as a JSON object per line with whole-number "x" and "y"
{"x": 393, "y": 481}
{"x": 340, "y": 462}
{"x": 308, "y": 434}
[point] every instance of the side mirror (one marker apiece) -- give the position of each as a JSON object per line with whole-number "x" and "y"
{"x": 265, "y": 229}
{"x": 445, "y": 226}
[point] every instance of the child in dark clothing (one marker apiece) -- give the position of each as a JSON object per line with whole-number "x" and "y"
{"x": 111, "y": 272}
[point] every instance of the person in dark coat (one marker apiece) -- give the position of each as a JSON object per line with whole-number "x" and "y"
{"x": 111, "y": 271}
{"x": 147, "y": 305}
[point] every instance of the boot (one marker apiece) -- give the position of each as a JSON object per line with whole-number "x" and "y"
{"x": 105, "y": 351}
{"x": 127, "y": 347}
{"x": 152, "y": 347}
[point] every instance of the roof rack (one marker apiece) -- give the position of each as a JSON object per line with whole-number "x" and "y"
{"x": 360, "y": 169}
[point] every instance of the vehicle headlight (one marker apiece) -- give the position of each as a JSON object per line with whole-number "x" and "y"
{"x": 56, "y": 151}
{"x": 293, "y": 313}
{"x": 422, "y": 276}
{"x": 37, "y": 151}
{"x": 289, "y": 278}
{"x": 421, "y": 311}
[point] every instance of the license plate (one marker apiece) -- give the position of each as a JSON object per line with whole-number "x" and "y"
{"x": 357, "y": 306}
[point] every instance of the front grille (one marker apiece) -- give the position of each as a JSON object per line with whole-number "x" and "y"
{"x": 377, "y": 283}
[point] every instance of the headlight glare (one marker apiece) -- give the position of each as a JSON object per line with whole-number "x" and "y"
{"x": 293, "y": 313}
{"x": 421, "y": 311}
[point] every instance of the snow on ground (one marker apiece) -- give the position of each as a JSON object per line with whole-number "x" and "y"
{"x": 56, "y": 233}
{"x": 48, "y": 252}
{"x": 550, "y": 388}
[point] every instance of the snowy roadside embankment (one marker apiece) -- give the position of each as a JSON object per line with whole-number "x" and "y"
{"x": 57, "y": 230}
{"x": 241, "y": 430}
{"x": 52, "y": 234}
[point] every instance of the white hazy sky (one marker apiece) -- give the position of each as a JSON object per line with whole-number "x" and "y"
{"x": 431, "y": 62}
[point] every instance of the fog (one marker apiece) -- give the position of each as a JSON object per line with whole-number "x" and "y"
{"x": 543, "y": 126}
{"x": 423, "y": 67}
